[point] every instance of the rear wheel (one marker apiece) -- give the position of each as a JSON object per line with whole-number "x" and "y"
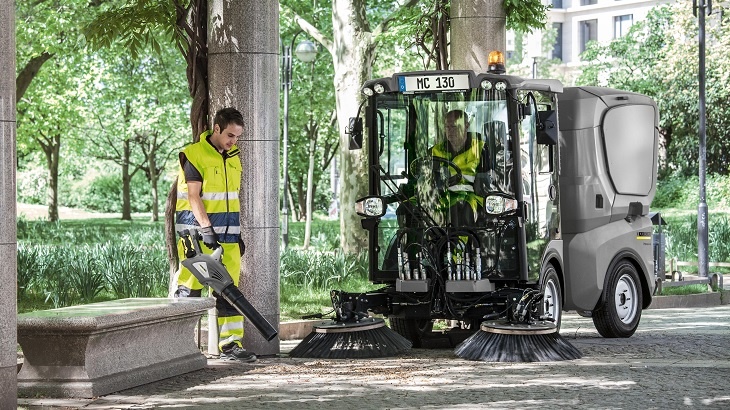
{"x": 552, "y": 303}
{"x": 619, "y": 310}
{"x": 412, "y": 329}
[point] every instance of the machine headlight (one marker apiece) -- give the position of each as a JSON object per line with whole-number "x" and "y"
{"x": 379, "y": 88}
{"x": 500, "y": 86}
{"x": 496, "y": 205}
{"x": 370, "y": 207}
{"x": 486, "y": 84}
{"x": 367, "y": 91}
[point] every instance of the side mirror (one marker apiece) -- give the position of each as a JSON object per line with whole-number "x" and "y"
{"x": 547, "y": 128}
{"x": 354, "y": 129}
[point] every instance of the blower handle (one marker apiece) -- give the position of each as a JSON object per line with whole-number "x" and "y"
{"x": 237, "y": 300}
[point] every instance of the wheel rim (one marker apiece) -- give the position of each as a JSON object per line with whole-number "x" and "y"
{"x": 626, "y": 299}
{"x": 551, "y": 301}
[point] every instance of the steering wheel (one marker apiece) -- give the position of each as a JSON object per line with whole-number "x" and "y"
{"x": 445, "y": 172}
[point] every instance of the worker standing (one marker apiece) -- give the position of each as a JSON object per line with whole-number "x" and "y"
{"x": 207, "y": 200}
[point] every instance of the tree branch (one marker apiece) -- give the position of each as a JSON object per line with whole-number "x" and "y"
{"x": 312, "y": 31}
{"x": 385, "y": 24}
{"x": 28, "y": 73}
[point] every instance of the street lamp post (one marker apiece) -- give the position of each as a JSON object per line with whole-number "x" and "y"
{"x": 702, "y": 8}
{"x": 307, "y": 52}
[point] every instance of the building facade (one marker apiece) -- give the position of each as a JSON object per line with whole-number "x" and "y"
{"x": 576, "y": 23}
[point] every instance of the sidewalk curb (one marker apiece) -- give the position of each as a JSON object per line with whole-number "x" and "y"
{"x": 696, "y": 300}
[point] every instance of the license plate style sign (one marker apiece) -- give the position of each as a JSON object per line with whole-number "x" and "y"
{"x": 425, "y": 83}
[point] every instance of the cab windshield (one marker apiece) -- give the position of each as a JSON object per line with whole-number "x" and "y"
{"x": 445, "y": 161}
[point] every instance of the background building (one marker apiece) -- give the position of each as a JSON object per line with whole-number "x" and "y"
{"x": 574, "y": 24}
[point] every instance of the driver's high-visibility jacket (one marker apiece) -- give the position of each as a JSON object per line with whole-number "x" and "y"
{"x": 469, "y": 162}
{"x": 221, "y": 174}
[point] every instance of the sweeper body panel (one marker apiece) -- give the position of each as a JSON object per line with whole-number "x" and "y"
{"x": 507, "y": 218}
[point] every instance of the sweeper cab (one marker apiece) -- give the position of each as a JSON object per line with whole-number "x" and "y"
{"x": 547, "y": 202}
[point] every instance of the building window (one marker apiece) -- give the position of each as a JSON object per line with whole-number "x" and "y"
{"x": 558, "y": 47}
{"x": 557, "y": 4}
{"x": 587, "y": 2}
{"x": 588, "y": 32}
{"x": 622, "y": 24}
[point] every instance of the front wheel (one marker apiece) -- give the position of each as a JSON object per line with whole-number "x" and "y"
{"x": 619, "y": 310}
{"x": 412, "y": 329}
{"x": 552, "y": 302}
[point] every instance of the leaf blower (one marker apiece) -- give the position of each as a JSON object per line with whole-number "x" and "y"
{"x": 209, "y": 271}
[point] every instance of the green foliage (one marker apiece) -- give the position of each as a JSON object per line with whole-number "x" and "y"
{"x": 525, "y": 15}
{"x": 325, "y": 234}
{"x": 681, "y": 237}
{"x": 658, "y": 58}
{"x": 683, "y": 192}
{"x": 87, "y": 261}
{"x": 307, "y": 277}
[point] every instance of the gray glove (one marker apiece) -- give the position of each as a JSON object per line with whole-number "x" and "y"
{"x": 210, "y": 238}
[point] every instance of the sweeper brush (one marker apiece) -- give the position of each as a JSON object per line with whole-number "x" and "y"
{"x": 504, "y": 342}
{"x": 522, "y": 337}
{"x": 369, "y": 338}
{"x": 352, "y": 334}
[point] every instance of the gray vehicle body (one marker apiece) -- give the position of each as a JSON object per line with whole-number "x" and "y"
{"x": 608, "y": 152}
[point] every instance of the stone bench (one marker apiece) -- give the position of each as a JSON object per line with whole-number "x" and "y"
{"x": 101, "y": 348}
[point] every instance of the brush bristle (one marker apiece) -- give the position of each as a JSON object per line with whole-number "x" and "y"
{"x": 373, "y": 343}
{"x": 496, "y": 347}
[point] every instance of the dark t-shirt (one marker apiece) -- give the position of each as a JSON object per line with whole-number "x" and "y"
{"x": 191, "y": 173}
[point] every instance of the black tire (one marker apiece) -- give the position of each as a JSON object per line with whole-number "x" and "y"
{"x": 412, "y": 329}
{"x": 552, "y": 303}
{"x": 619, "y": 309}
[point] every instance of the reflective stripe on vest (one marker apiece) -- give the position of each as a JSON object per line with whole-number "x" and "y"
{"x": 221, "y": 183}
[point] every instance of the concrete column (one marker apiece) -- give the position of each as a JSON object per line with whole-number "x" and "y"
{"x": 8, "y": 240}
{"x": 477, "y": 27}
{"x": 243, "y": 69}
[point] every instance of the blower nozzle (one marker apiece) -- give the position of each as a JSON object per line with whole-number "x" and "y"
{"x": 210, "y": 271}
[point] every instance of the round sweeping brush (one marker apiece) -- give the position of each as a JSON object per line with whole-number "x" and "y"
{"x": 517, "y": 342}
{"x": 366, "y": 338}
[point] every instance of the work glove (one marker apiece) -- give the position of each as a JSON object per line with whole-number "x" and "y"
{"x": 210, "y": 238}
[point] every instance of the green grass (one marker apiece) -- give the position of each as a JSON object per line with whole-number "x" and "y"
{"x": 73, "y": 262}
{"x": 684, "y": 290}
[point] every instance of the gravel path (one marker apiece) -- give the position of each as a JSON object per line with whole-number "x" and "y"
{"x": 679, "y": 358}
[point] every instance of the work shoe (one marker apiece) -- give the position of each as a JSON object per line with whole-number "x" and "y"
{"x": 232, "y": 351}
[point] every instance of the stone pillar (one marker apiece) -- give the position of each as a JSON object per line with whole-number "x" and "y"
{"x": 8, "y": 240}
{"x": 243, "y": 70}
{"x": 477, "y": 27}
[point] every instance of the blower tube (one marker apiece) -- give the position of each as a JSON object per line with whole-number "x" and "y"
{"x": 209, "y": 271}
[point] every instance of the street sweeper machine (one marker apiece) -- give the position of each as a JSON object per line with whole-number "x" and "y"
{"x": 497, "y": 202}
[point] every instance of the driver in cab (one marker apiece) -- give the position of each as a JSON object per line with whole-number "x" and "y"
{"x": 469, "y": 153}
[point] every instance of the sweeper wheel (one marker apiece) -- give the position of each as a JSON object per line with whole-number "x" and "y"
{"x": 367, "y": 338}
{"x": 501, "y": 341}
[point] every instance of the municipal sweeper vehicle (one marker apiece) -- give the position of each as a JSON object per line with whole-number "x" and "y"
{"x": 499, "y": 201}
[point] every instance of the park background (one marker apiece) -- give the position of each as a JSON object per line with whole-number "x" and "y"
{"x": 103, "y": 107}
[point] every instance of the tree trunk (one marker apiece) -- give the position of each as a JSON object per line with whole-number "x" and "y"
{"x": 170, "y": 238}
{"x": 126, "y": 180}
{"x": 152, "y": 164}
{"x": 353, "y": 56}
{"x": 301, "y": 200}
{"x": 310, "y": 194}
{"x": 52, "y": 151}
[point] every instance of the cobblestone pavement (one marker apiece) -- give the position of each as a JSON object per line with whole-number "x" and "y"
{"x": 679, "y": 358}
